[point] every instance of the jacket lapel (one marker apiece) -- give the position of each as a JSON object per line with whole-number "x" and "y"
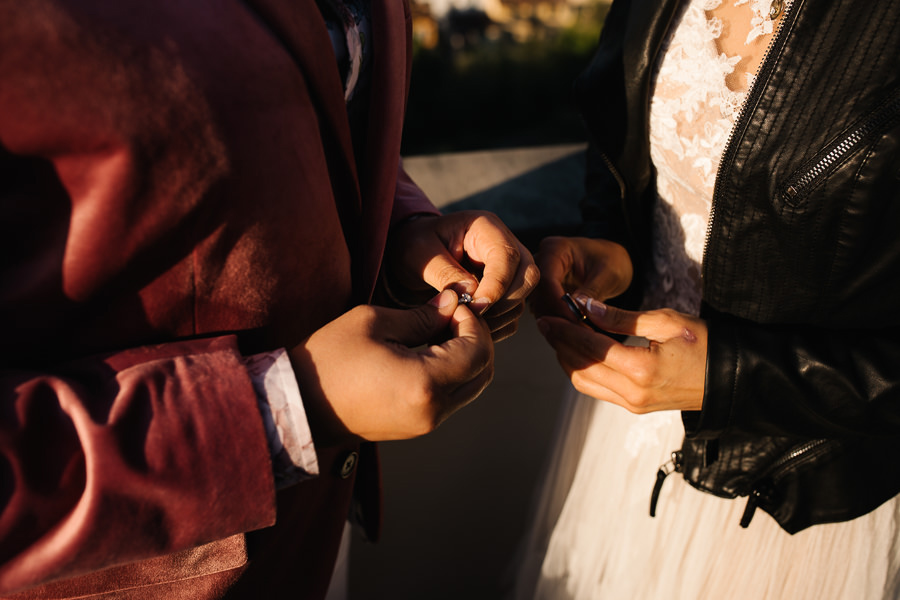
{"x": 365, "y": 207}
{"x": 648, "y": 23}
{"x": 300, "y": 28}
{"x": 387, "y": 102}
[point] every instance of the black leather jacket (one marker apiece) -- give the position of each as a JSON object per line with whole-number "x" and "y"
{"x": 801, "y": 272}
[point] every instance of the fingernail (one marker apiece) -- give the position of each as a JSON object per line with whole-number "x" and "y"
{"x": 479, "y": 305}
{"x": 543, "y": 327}
{"x": 594, "y": 307}
{"x": 444, "y": 299}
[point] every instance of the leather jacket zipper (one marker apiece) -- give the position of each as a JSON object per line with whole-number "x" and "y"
{"x": 616, "y": 175}
{"x": 742, "y": 120}
{"x": 674, "y": 465}
{"x": 835, "y": 153}
{"x": 762, "y": 490}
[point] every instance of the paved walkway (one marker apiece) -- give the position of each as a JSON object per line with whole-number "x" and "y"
{"x": 534, "y": 190}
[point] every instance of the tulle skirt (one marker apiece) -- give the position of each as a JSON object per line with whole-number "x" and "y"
{"x": 592, "y": 536}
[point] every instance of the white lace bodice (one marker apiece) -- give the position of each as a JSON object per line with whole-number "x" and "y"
{"x": 692, "y": 113}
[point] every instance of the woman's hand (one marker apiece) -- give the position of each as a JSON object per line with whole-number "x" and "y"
{"x": 385, "y": 374}
{"x": 596, "y": 268}
{"x": 667, "y": 374}
{"x": 467, "y": 251}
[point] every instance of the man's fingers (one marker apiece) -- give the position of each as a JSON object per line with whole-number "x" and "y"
{"x": 508, "y": 271}
{"x": 443, "y": 272}
{"x": 504, "y": 324}
{"x": 417, "y": 326}
{"x": 500, "y": 267}
{"x": 466, "y": 354}
{"x": 471, "y": 389}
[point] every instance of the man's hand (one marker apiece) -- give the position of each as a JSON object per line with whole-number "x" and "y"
{"x": 386, "y": 374}
{"x": 668, "y": 374}
{"x": 467, "y": 251}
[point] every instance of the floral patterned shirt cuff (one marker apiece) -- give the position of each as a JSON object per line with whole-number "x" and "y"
{"x": 287, "y": 429}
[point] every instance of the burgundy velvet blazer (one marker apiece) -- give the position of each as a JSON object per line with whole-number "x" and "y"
{"x": 178, "y": 187}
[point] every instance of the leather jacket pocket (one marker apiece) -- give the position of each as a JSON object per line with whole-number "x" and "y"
{"x": 834, "y": 226}
{"x": 798, "y": 186}
{"x": 747, "y": 466}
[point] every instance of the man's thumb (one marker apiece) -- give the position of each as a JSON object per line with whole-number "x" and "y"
{"x": 423, "y": 324}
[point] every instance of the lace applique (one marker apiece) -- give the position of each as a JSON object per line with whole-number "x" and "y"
{"x": 761, "y": 24}
{"x": 644, "y": 435}
{"x": 692, "y": 113}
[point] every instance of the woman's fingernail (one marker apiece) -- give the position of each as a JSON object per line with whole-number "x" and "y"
{"x": 594, "y": 307}
{"x": 443, "y": 299}
{"x": 543, "y": 327}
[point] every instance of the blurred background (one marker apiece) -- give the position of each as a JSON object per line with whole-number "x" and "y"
{"x": 491, "y": 125}
{"x": 497, "y": 73}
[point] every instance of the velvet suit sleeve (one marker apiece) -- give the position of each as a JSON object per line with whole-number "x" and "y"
{"x": 804, "y": 381}
{"x": 135, "y": 454}
{"x": 111, "y": 450}
{"x": 409, "y": 199}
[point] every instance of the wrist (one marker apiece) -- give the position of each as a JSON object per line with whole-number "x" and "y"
{"x": 326, "y": 426}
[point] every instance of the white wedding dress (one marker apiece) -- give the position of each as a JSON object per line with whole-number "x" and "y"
{"x": 592, "y": 536}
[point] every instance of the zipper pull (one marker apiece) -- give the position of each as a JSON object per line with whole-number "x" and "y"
{"x": 674, "y": 464}
{"x": 750, "y": 509}
{"x": 775, "y": 9}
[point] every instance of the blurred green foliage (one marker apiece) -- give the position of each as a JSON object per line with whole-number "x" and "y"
{"x": 499, "y": 94}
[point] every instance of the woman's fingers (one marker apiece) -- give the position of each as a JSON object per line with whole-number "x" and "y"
{"x": 669, "y": 373}
{"x": 656, "y": 325}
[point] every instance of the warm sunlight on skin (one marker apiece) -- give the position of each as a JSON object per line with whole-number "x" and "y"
{"x": 389, "y": 374}
{"x": 736, "y": 25}
{"x": 472, "y": 252}
{"x": 666, "y": 374}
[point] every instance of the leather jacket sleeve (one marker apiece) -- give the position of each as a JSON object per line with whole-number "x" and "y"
{"x": 604, "y": 217}
{"x": 601, "y": 206}
{"x": 799, "y": 381}
{"x": 619, "y": 192}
